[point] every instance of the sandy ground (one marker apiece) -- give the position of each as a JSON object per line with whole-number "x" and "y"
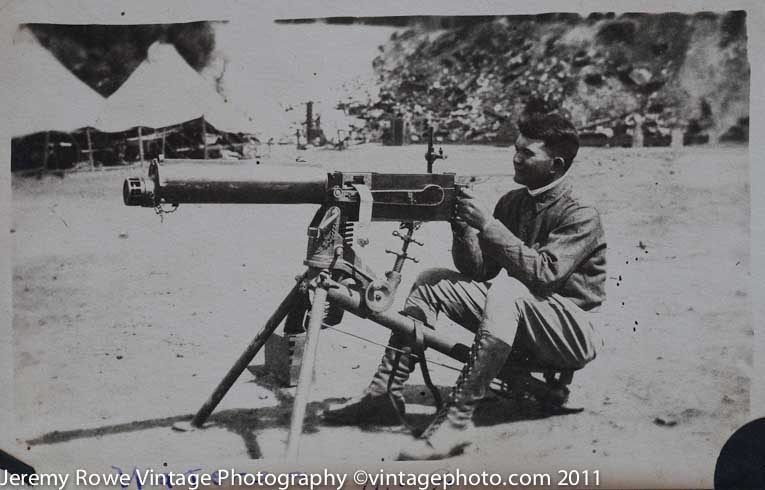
{"x": 124, "y": 324}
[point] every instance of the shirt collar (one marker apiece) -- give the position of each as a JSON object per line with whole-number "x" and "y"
{"x": 551, "y": 185}
{"x": 546, "y": 196}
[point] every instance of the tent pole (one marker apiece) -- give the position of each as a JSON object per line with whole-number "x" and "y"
{"x": 90, "y": 149}
{"x": 140, "y": 145}
{"x": 45, "y": 153}
{"x": 204, "y": 137}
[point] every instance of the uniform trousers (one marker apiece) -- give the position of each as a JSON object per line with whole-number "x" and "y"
{"x": 549, "y": 331}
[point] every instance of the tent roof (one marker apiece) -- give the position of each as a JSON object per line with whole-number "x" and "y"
{"x": 163, "y": 91}
{"x": 46, "y": 95}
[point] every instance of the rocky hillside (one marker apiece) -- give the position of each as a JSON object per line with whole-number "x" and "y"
{"x": 472, "y": 81}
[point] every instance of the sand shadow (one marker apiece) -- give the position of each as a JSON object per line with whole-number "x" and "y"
{"x": 248, "y": 422}
{"x": 242, "y": 421}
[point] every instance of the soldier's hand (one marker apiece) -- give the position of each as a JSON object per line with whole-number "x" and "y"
{"x": 472, "y": 209}
{"x": 459, "y": 227}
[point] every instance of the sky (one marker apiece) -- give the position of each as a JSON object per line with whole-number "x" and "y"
{"x": 268, "y": 67}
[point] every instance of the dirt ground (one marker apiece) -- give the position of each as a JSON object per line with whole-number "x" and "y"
{"x": 124, "y": 323}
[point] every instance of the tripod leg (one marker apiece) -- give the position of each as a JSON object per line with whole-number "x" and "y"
{"x": 306, "y": 372}
{"x": 244, "y": 360}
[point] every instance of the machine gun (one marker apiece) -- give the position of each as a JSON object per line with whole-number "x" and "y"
{"x": 336, "y": 279}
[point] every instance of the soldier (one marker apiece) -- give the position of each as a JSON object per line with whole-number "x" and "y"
{"x": 529, "y": 274}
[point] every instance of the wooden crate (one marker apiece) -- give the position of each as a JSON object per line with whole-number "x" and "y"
{"x": 283, "y": 356}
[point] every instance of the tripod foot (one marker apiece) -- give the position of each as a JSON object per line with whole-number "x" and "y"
{"x": 185, "y": 426}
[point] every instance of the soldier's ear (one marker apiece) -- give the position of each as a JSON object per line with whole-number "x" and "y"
{"x": 559, "y": 165}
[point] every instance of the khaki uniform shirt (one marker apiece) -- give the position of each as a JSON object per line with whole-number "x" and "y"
{"x": 552, "y": 243}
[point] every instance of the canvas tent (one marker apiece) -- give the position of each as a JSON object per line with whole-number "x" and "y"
{"x": 46, "y": 95}
{"x": 165, "y": 91}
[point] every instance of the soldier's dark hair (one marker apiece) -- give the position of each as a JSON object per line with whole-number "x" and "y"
{"x": 557, "y": 132}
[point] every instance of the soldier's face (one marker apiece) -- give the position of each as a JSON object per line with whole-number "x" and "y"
{"x": 534, "y": 166}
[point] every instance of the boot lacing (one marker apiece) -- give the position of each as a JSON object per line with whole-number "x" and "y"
{"x": 443, "y": 414}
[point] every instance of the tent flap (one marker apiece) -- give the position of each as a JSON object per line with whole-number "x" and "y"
{"x": 164, "y": 91}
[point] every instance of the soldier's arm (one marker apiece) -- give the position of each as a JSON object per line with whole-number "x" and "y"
{"x": 468, "y": 254}
{"x": 546, "y": 268}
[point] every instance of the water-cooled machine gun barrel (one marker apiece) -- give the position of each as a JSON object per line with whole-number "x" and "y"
{"x": 223, "y": 182}
{"x": 359, "y": 195}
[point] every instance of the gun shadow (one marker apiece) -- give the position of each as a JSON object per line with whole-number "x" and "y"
{"x": 247, "y": 422}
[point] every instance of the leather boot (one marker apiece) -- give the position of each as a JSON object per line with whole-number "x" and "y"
{"x": 451, "y": 430}
{"x": 375, "y": 406}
